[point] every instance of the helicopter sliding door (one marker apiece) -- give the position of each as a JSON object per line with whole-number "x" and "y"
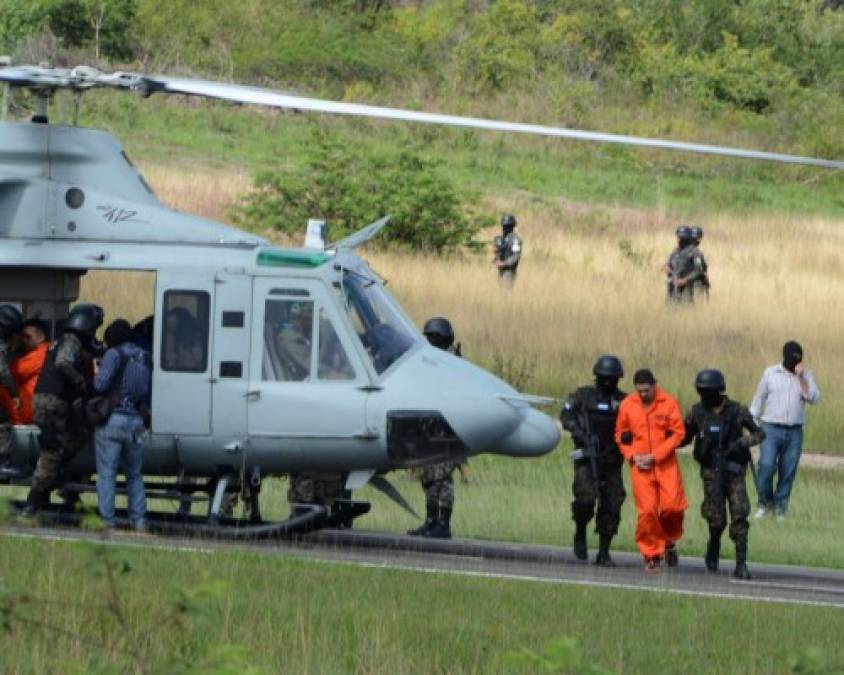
{"x": 307, "y": 393}
{"x": 181, "y": 397}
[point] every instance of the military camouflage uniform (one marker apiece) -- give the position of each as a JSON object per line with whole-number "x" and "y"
{"x": 63, "y": 434}
{"x": 8, "y": 382}
{"x": 508, "y": 249}
{"x": 721, "y": 449}
{"x": 689, "y": 264}
{"x": 309, "y": 488}
{"x": 602, "y": 411}
{"x": 438, "y": 484}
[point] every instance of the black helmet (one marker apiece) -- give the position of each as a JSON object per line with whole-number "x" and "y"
{"x": 10, "y": 320}
{"x": 696, "y": 232}
{"x": 84, "y": 320}
{"x": 683, "y": 232}
{"x": 608, "y": 365}
{"x": 508, "y": 221}
{"x": 710, "y": 380}
{"x": 439, "y": 332}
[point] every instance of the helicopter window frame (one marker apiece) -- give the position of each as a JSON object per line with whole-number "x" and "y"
{"x": 197, "y": 322}
{"x": 276, "y": 368}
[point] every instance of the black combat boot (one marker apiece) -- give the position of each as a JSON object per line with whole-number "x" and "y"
{"x": 431, "y": 514}
{"x": 35, "y": 500}
{"x": 713, "y": 550}
{"x": 604, "y": 559}
{"x": 442, "y": 528}
{"x": 580, "y": 550}
{"x": 741, "y": 571}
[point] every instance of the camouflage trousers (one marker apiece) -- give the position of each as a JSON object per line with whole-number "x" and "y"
{"x": 308, "y": 488}
{"x": 438, "y": 484}
{"x": 61, "y": 438}
{"x": 609, "y": 494}
{"x": 717, "y": 494}
{"x": 5, "y": 441}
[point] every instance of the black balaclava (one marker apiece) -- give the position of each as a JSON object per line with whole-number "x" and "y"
{"x": 606, "y": 384}
{"x": 710, "y": 398}
{"x": 792, "y": 354}
{"x": 118, "y": 332}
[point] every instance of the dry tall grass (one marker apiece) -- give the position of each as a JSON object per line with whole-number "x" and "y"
{"x": 590, "y": 283}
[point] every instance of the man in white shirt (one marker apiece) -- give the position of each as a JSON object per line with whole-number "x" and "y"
{"x": 783, "y": 393}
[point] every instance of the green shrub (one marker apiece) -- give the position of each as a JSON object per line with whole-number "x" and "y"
{"x": 349, "y": 188}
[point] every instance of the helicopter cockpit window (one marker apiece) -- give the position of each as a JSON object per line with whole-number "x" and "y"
{"x": 332, "y": 362}
{"x": 288, "y": 340}
{"x": 184, "y": 340}
{"x": 380, "y": 326}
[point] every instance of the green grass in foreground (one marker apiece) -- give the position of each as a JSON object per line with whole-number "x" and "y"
{"x": 297, "y": 616}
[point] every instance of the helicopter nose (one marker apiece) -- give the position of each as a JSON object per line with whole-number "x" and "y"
{"x": 485, "y": 413}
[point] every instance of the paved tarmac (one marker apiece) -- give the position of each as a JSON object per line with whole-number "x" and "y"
{"x": 504, "y": 560}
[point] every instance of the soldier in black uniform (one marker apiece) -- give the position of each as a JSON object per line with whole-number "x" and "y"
{"x": 436, "y": 479}
{"x": 589, "y": 415}
{"x": 508, "y": 250}
{"x": 10, "y": 325}
{"x": 722, "y": 449}
{"x": 60, "y": 384}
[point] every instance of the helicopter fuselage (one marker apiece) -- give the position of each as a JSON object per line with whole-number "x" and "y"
{"x": 264, "y": 358}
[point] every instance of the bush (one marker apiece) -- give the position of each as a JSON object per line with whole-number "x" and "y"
{"x": 350, "y": 188}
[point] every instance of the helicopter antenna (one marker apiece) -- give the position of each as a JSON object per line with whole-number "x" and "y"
{"x": 83, "y": 77}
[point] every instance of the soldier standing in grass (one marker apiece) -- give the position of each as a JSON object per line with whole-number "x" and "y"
{"x": 508, "y": 250}
{"x": 436, "y": 479}
{"x": 590, "y": 415}
{"x": 648, "y": 431}
{"x": 685, "y": 267}
{"x": 61, "y": 382}
{"x": 717, "y": 424}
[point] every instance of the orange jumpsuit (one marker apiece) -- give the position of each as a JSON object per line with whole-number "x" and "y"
{"x": 25, "y": 370}
{"x": 656, "y": 429}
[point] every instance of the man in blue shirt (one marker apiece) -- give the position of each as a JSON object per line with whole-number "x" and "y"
{"x": 124, "y": 375}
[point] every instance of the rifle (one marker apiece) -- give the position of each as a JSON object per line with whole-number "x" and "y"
{"x": 591, "y": 445}
{"x": 500, "y": 248}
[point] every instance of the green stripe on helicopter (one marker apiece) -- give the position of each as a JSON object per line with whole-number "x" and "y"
{"x": 273, "y": 257}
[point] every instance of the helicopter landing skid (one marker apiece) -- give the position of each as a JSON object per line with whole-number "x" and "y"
{"x": 306, "y": 518}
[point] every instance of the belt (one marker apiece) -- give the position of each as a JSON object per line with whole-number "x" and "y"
{"x": 784, "y": 426}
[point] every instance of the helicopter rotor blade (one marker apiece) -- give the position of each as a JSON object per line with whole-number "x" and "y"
{"x": 264, "y": 97}
{"x": 83, "y": 77}
{"x": 381, "y": 484}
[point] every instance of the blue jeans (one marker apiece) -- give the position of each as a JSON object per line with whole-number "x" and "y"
{"x": 119, "y": 442}
{"x": 780, "y": 452}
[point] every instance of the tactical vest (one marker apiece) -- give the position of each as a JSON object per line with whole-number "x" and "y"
{"x": 51, "y": 380}
{"x": 602, "y": 411}
{"x": 717, "y": 432}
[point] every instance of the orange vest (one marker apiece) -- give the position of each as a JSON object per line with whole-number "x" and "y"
{"x": 25, "y": 370}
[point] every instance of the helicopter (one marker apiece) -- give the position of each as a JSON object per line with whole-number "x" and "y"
{"x": 231, "y": 403}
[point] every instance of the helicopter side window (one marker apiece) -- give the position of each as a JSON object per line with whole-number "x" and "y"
{"x": 184, "y": 340}
{"x": 288, "y": 340}
{"x": 332, "y": 363}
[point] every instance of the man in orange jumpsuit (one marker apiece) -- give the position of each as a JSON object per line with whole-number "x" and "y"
{"x": 648, "y": 431}
{"x": 25, "y": 369}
